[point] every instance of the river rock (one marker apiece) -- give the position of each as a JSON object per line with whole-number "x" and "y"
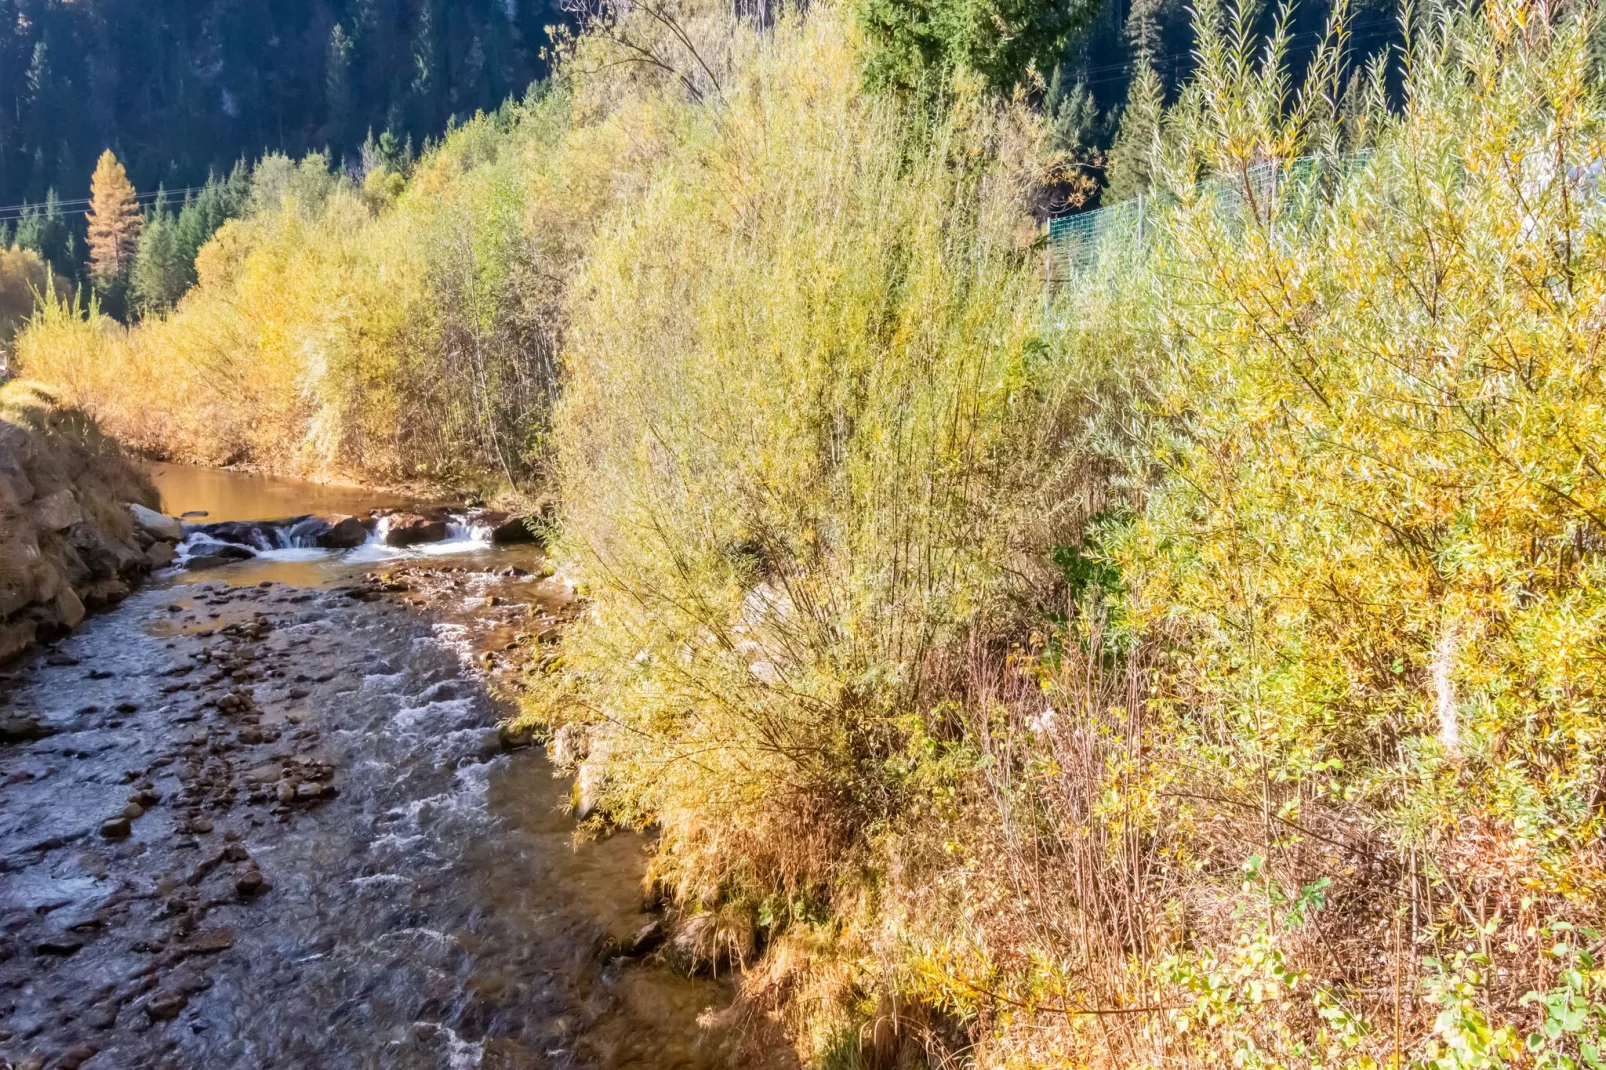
{"x": 517, "y": 529}
{"x": 21, "y": 728}
{"x": 116, "y": 828}
{"x": 69, "y": 607}
{"x": 410, "y": 529}
{"x": 76, "y": 1056}
{"x": 160, "y": 554}
{"x": 210, "y": 941}
{"x": 344, "y": 533}
{"x": 58, "y": 945}
{"x": 155, "y": 524}
{"x": 646, "y": 938}
{"x": 16, "y": 636}
{"x": 103, "y": 593}
{"x": 104, "y": 554}
{"x": 515, "y": 737}
{"x": 209, "y": 554}
{"x": 166, "y": 1005}
{"x": 307, "y": 530}
{"x": 56, "y": 512}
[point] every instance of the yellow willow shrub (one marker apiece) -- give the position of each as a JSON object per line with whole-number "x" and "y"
{"x": 1374, "y": 550}
{"x": 809, "y": 412}
{"x": 281, "y": 355}
{"x": 1313, "y": 775}
{"x": 412, "y": 339}
{"x": 1380, "y": 516}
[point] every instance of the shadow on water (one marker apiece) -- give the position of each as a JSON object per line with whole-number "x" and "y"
{"x": 272, "y": 825}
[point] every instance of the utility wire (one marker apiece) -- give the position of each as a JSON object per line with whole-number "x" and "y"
{"x": 16, "y": 211}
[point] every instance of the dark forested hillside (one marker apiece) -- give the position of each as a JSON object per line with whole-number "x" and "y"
{"x": 178, "y": 87}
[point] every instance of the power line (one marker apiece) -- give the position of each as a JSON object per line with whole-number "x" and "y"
{"x": 16, "y": 211}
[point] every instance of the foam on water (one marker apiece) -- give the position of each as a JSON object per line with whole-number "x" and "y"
{"x": 275, "y": 541}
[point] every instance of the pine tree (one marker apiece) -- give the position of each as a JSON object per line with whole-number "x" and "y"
{"x": 160, "y": 274}
{"x": 1132, "y": 157}
{"x": 1131, "y": 164}
{"x": 114, "y": 223}
{"x": 1071, "y": 115}
{"x": 218, "y": 202}
{"x": 338, "y": 87}
{"x": 46, "y": 233}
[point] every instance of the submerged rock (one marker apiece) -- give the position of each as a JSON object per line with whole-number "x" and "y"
{"x": 21, "y": 728}
{"x": 210, "y": 554}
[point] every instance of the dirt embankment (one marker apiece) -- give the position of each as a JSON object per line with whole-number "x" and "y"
{"x": 75, "y": 531}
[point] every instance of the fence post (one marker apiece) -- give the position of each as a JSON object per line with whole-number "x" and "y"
{"x": 1271, "y": 200}
{"x": 1048, "y": 265}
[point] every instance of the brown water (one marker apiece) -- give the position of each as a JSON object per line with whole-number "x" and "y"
{"x": 425, "y": 909}
{"x": 223, "y": 494}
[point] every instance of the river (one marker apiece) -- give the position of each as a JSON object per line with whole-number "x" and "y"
{"x": 273, "y": 825}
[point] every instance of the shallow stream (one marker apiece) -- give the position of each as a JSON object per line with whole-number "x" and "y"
{"x": 274, "y": 826}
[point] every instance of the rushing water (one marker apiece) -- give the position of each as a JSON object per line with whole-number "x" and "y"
{"x": 329, "y": 859}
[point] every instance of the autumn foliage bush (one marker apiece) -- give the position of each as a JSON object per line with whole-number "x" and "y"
{"x": 1203, "y": 671}
{"x": 390, "y": 331}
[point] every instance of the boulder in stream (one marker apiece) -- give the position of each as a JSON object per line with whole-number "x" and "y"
{"x": 157, "y": 526}
{"x": 343, "y": 533}
{"x": 212, "y": 554}
{"x": 410, "y": 529}
{"x": 517, "y": 529}
{"x": 306, "y": 530}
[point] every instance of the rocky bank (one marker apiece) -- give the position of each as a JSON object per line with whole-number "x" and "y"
{"x": 77, "y": 527}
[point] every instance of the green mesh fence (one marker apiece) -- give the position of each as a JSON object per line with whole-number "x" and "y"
{"x": 1289, "y": 194}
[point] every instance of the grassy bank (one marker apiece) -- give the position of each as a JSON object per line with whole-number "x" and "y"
{"x": 1199, "y": 666}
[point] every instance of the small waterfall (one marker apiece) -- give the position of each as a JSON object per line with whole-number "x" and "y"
{"x": 301, "y": 538}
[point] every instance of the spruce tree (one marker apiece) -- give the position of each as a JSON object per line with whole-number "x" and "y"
{"x": 1132, "y": 157}
{"x": 1131, "y": 163}
{"x": 46, "y": 233}
{"x": 218, "y": 202}
{"x": 338, "y": 87}
{"x": 114, "y": 223}
{"x": 160, "y": 275}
